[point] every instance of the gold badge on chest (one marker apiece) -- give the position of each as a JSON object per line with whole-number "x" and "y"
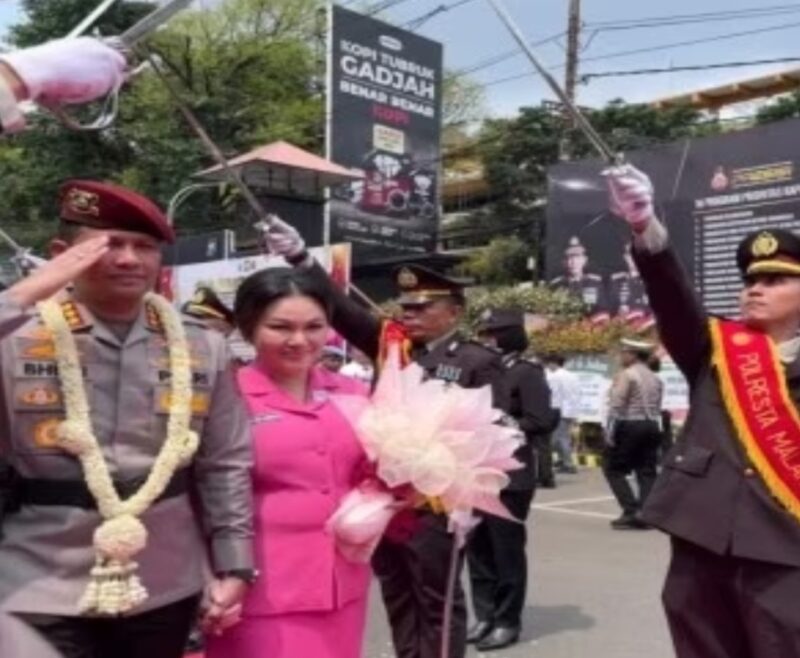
{"x": 44, "y": 433}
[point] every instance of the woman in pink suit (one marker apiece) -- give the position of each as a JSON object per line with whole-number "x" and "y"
{"x": 308, "y": 601}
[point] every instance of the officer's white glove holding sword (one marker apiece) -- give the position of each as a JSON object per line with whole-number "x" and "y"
{"x": 60, "y": 72}
{"x": 631, "y": 197}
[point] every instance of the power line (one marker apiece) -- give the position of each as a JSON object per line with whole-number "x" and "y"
{"x": 418, "y": 22}
{"x": 649, "y": 49}
{"x": 679, "y": 19}
{"x": 600, "y": 26}
{"x": 509, "y": 54}
{"x": 586, "y": 77}
{"x": 383, "y": 6}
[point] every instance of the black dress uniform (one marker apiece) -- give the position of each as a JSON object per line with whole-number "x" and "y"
{"x": 413, "y": 575}
{"x": 734, "y": 580}
{"x": 588, "y": 287}
{"x": 496, "y": 549}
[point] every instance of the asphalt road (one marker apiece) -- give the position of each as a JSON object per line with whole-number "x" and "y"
{"x": 592, "y": 591}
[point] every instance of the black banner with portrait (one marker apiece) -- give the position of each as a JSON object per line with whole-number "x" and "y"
{"x": 710, "y": 192}
{"x": 385, "y": 120}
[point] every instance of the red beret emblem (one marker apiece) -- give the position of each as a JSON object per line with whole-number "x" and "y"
{"x": 83, "y": 202}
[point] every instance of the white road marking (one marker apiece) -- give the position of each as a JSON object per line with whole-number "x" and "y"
{"x": 574, "y": 501}
{"x": 575, "y": 512}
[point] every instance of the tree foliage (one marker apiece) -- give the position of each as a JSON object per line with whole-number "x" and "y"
{"x": 538, "y": 300}
{"x": 503, "y": 261}
{"x": 517, "y": 152}
{"x": 250, "y": 70}
{"x": 51, "y": 20}
{"x": 784, "y": 107}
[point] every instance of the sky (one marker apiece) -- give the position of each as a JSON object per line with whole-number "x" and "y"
{"x": 472, "y": 35}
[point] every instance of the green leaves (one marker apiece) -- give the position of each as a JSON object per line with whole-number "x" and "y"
{"x": 248, "y": 68}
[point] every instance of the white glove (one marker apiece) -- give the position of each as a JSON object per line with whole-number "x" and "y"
{"x": 68, "y": 71}
{"x": 631, "y": 196}
{"x": 282, "y": 239}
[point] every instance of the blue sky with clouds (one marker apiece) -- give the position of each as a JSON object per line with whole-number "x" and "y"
{"x": 472, "y": 35}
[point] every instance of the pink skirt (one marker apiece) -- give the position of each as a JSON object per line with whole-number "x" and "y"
{"x": 334, "y": 634}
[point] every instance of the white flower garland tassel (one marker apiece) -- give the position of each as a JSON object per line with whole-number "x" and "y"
{"x": 114, "y": 586}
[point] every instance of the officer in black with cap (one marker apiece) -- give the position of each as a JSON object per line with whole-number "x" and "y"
{"x": 206, "y": 305}
{"x": 413, "y": 575}
{"x": 498, "y": 565}
{"x": 728, "y": 490}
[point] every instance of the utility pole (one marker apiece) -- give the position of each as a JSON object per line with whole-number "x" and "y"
{"x": 571, "y": 76}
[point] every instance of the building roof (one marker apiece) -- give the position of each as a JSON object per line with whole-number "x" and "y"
{"x": 283, "y": 167}
{"x": 714, "y": 98}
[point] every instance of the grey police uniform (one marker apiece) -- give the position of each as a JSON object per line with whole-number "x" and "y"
{"x": 46, "y": 551}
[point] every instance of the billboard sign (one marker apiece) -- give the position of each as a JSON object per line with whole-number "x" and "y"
{"x": 384, "y": 109}
{"x": 710, "y": 192}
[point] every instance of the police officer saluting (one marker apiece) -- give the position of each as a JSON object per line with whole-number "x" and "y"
{"x": 103, "y": 551}
{"x": 413, "y": 575}
{"x": 729, "y": 494}
{"x": 498, "y": 565}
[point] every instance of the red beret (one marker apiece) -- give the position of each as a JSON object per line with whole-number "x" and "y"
{"x": 105, "y": 205}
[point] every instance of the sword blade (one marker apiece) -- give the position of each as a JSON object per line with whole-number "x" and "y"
{"x": 87, "y": 22}
{"x": 580, "y": 119}
{"x": 152, "y": 22}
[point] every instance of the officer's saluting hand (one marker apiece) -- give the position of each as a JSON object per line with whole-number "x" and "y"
{"x": 54, "y": 275}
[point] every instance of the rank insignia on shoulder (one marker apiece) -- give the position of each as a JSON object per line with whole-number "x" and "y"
{"x": 73, "y": 315}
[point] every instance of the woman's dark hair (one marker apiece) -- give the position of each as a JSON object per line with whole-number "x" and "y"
{"x": 511, "y": 339}
{"x": 265, "y": 287}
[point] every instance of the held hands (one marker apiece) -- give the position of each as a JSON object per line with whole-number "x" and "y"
{"x": 282, "y": 239}
{"x": 630, "y": 196}
{"x": 223, "y": 606}
{"x": 68, "y": 71}
{"x": 54, "y": 275}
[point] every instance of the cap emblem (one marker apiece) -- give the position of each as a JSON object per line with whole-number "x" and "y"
{"x": 83, "y": 202}
{"x": 764, "y": 245}
{"x": 406, "y": 279}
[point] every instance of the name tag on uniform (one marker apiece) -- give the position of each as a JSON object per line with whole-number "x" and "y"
{"x": 260, "y": 419}
{"x": 37, "y": 369}
{"x": 320, "y": 396}
{"x": 448, "y": 373}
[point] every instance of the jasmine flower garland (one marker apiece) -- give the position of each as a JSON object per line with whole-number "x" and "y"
{"x": 114, "y": 586}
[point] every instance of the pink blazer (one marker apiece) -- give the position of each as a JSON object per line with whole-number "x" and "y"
{"x": 306, "y": 458}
